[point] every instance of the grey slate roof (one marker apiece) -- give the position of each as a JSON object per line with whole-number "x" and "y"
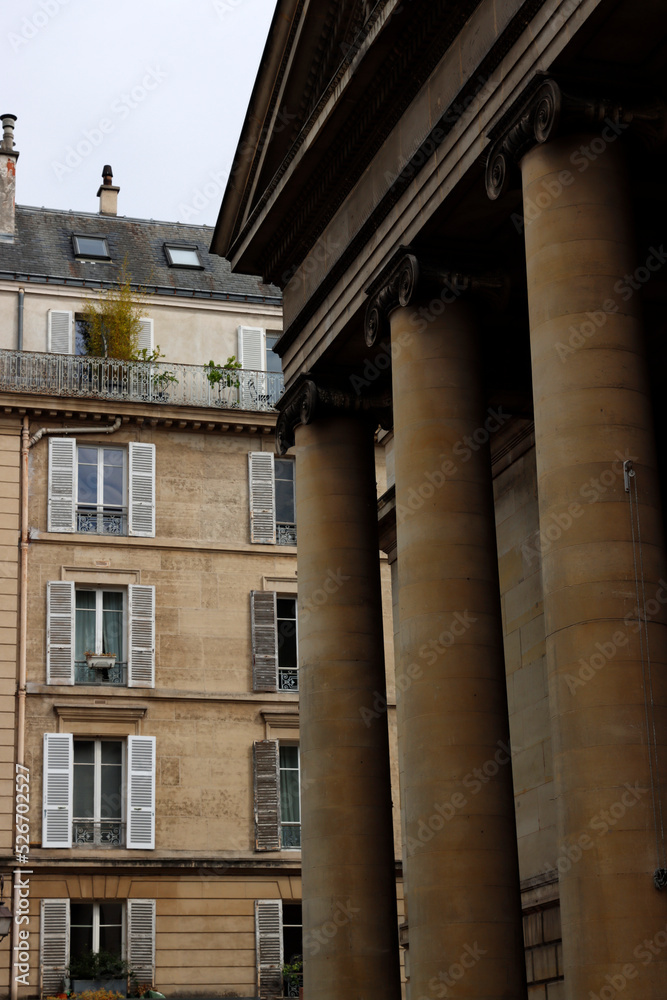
{"x": 43, "y": 251}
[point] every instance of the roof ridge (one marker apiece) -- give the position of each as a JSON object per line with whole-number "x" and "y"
{"x": 118, "y": 218}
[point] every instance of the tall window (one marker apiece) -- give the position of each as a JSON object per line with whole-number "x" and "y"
{"x": 98, "y": 793}
{"x": 100, "y": 498}
{"x": 99, "y": 630}
{"x": 285, "y": 502}
{"x": 292, "y": 944}
{"x": 96, "y": 927}
{"x": 290, "y": 800}
{"x": 288, "y": 675}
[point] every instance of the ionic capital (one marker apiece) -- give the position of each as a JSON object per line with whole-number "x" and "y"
{"x": 314, "y": 397}
{"x": 409, "y": 275}
{"x": 550, "y": 111}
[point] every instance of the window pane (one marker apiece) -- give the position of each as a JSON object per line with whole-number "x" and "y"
{"x": 284, "y": 500}
{"x": 80, "y": 336}
{"x": 91, "y": 246}
{"x": 81, "y": 929}
{"x": 111, "y": 939}
{"x": 113, "y": 478}
{"x": 286, "y": 607}
{"x": 84, "y": 752}
{"x": 87, "y": 462}
{"x": 84, "y": 783}
{"x": 289, "y": 757}
{"x": 273, "y": 362}
{"x": 286, "y": 644}
{"x": 84, "y": 624}
{"x": 112, "y": 623}
{"x": 111, "y": 913}
{"x": 185, "y": 257}
{"x": 81, "y": 914}
{"x": 112, "y": 752}
{"x": 110, "y": 800}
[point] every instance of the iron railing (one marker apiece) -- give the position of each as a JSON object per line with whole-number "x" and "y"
{"x": 98, "y": 833}
{"x": 137, "y": 381}
{"x": 100, "y": 520}
{"x": 103, "y": 676}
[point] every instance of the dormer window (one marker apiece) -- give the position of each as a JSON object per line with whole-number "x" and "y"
{"x": 182, "y": 256}
{"x": 91, "y": 247}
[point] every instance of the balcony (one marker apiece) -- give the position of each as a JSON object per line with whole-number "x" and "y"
{"x": 115, "y": 675}
{"x": 137, "y": 381}
{"x": 98, "y": 833}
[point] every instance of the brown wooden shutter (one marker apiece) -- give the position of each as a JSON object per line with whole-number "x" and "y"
{"x": 269, "y": 947}
{"x": 267, "y": 795}
{"x": 264, "y": 623}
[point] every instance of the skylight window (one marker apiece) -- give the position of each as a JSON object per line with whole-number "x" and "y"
{"x": 180, "y": 256}
{"x": 91, "y": 247}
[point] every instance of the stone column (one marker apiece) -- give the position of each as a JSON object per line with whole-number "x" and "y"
{"x": 460, "y": 854}
{"x": 349, "y": 887}
{"x": 592, "y": 413}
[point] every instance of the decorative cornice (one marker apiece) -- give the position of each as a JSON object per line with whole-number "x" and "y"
{"x": 408, "y": 275}
{"x": 550, "y": 111}
{"x": 312, "y": 397}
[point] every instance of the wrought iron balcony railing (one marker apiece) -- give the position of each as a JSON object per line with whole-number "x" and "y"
{"x": 137, "y": 381}
{"x": 102, "y": 676}
{"x": 98, "y": 833}
{"x": 101, "y": 520}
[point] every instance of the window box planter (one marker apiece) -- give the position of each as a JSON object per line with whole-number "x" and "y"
{"x": 101, "y": 661}
{"x": 114, "y": 985}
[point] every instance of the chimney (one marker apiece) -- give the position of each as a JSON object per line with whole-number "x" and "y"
{"x": 108, "y": 193}
{"x": 8, "y": 158}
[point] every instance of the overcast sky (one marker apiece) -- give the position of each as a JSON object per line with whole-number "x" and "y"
{"x": 156, "y": 88}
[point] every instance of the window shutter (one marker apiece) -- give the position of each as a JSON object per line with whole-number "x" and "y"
{"x": 264, "y": 624}
{"x": 62, "y": 484}
{"x": 141, "y": 938}
{"x": 59, "y": 331}
{"x": 60, "y": 632}
{"x": 269, "y": 947}
{"x": 53, "y": 944}
{"x": 262, "y": 498}
{"x": 141, "y": 792}
{"x": 145, "y": 340}
{"x": 141, "y": 645}
{"x": 267, "y": 795}
{"x": 57, "y": 795}
{"x": 142, "y": 489}
{"x": 252, "y": 350}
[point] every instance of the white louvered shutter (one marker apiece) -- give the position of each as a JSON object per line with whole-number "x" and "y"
{"x": 252, "y": 355}
{"x": 62, "y": 484}
{"x": 264, "y": 626}
{"x": 60, "y": 325}
{"x": 141, "y": 792}
{"x": 262, "y": 498}
{"x": 267, "y": 795}
{"x": 141, "y": 635}
{"x": 141, "y": 938}
{"x": 53, "y": 944}
{"x": 60, "y": 605}
{"x": 145, "y": 340}
{"x": 142, "y": 489}
{"x": 269, "y": 947}
{"x": 57, "y": 793}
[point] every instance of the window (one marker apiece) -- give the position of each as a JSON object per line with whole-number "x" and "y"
{"x": 83, "y": 623}
{"x": 91, "y": 247}
{"x": 182, "y": 256}
{"x": 256, "y": 354}
{"x": 97, "y": 794}
{"x": 88, "y": 790}
{"x": 272, "y": 499}
{"x": 277, "y": 796}
{"x": 274, "y": 642}
{"x": 70, "y": 928}
{"x": 101, "y": 489}
{"x": 66, "y": 334}
{"x": 278, "y": 940}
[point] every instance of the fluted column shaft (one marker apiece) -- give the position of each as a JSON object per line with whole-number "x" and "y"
{"x": 460, "y": 854}
{"x": 592, "y": 411}
{"x": 349, "y": 893}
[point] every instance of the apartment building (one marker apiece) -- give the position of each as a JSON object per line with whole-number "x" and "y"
{"x": 149, "y": 727}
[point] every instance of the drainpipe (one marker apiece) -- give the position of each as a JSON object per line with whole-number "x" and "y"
{"x": 26, "y": 444}
{"x": 20, "y": 331}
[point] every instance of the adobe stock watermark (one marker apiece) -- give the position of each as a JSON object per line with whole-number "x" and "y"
{"x": 625, "y": 288}
{"x": 644, "y": 953}
{"x": 91, "y": 138}
{"x": 473, "y": 782}
{"x": 34, "y": 23}
{"x": 555, "y": 525}
{"x": 430, "y": 651}
{"x": 343, "y": 913}
{"x": 606, "y": 651}
{"x": 225, "y": 7}
{"x": 553, "y": 187}
{"x": 469, "y": 957}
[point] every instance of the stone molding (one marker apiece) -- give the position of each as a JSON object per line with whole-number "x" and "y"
{"x": 551, "y": 111}
{"x": 313, "y": 397}
{"x": 409, "y": 275}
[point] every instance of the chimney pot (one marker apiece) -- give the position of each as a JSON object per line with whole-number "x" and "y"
{"x": 7, "y": 144}
{"x": 107, "y": 174}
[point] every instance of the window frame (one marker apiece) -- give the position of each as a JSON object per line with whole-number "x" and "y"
{"x": 102, "y": 510}
{"x": 168, "y": 247}
{"x": 285, "y": 530}
{"x": 281, "y": 666}
{"x": 100, "y": 590}
{"x": 96, "y": 903}
{"x": 81, "y": 255}
{"x": 96, "y": 820}
{"x": 284, "y": 745}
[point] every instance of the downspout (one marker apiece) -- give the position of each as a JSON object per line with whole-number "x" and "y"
{"x": 20, "y": 327}
{"x": 26, "y": 444}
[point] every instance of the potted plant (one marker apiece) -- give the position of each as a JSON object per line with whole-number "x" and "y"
{"x": 95, "y": 970}
{"x": 223, "y": 376}
{"x": 100, "y": 661}
{"x": 293, "y": 977}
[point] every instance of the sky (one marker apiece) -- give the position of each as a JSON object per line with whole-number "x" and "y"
{"x": 158, "y": 89}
